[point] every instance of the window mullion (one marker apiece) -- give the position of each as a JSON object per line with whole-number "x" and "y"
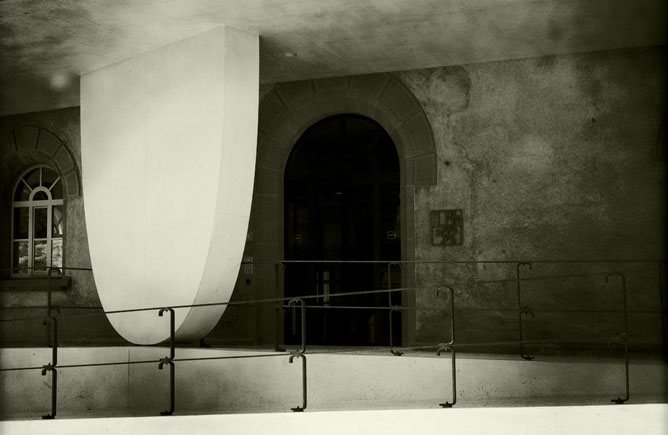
{"x": 11, "y": 248}
{"x": 31, "y": 241}
{"x": 27, "y": 185}
{"x": 49, "y": 213}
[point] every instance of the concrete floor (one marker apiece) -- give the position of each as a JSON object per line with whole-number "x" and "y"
{"x": 646, "y": 419}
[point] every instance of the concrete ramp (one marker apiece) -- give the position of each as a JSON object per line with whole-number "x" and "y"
{"x": 268, "y": 382}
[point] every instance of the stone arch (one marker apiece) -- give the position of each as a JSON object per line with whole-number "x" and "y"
{"x": 288, "y": 109}
{"x": 31, "y": 145}
{"x": 24, "y": 147}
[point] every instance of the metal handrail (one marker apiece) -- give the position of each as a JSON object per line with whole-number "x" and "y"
{"x": 292, "y": 302}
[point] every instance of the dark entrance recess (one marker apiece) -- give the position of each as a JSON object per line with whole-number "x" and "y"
{"x": 342, "y": 203}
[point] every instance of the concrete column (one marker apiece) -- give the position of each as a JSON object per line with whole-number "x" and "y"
{"x": 168, "y": 155}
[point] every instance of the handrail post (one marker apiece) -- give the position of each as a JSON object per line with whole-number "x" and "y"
{"x": 446, "y": 347}
{"x": 51, "y": 367}
{"x": 624, "y": 336}
{"x": 292, "y": 303}
{"x": 169, "y": 359}
{"x": 393, "y": 308}
{"x": 452, "y": 313}
{"x": 50, "y": 308}
{"x": 278, "y": 318}
{"x": 304, "y": 385}
{"x": 450, "y": 347}
{"x": 299, "y": 353}
{"x": 278, "y": 310}
{"x": 664, "y": 310}
{"x": 522, "y": 310}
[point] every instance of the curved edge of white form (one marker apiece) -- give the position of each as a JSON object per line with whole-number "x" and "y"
{"x": 235, "y": 189}
{"x": 169, "y": 139}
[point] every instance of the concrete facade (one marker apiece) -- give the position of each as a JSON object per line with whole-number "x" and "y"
{"x": 552, "y": 158}
{"x": 549, "y": 158}
{"x": 21, "y": 151}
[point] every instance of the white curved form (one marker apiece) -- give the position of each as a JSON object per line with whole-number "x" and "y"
{"x": 168, "y": 156}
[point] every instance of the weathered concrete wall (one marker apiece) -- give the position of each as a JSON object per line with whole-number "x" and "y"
{"x": 64, "y": 124}
{"x": 549, "y": 158}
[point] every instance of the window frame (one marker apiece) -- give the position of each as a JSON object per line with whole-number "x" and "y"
{"x": 32, "y": 205}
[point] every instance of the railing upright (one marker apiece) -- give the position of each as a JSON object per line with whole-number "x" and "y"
{"x": 624, "y": 336}
{"x": 523, "y": 310}
{"x": 450, "y": 347}
{"x": 50, "y": 308}
{"x": 279, "y": 312}
{"x": 169, "y": 360}
{"x": 51, "y": 366}
{"x": 299, "y": 353}
{"x": 664, "y": 309}
{"x": 393, "y": 308}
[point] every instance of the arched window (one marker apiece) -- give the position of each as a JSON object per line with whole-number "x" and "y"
{"x": 37, "y": 222}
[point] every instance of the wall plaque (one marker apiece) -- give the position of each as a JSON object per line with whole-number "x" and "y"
{"x": 447, "y": 227}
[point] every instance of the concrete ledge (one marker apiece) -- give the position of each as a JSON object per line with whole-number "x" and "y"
{"x": 269, "y": 383}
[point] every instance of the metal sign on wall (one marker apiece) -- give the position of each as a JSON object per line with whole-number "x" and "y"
{"x": 447, "y": 227}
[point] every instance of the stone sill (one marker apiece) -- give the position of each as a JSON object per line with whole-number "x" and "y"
{"x": 32, "y": 283}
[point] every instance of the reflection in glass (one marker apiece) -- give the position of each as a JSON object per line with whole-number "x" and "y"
{"x": 57, "y": 253}
{"x": 40, "y": 222}
{"x": 39, "y": 256}
{"x": 20, "y": 263}
{"x": 40, "y": 196}
{"x": 21, "y": 223}
{"x": 57, "y": 221}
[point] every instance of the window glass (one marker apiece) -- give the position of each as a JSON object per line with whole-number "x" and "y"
{"x": 40, "y": 196}
{"x": 22, "y": 192}
{"x": 21, "y": 222}
{"x": 40, "y": 219}
{"x": 57, "y": 190}
{"x": 57, "y": 221}
{"x": 33, "y": 178}
{"x": 48, "y": 177}
{"x": 40, "y": 257}
{"x": 38, "y": 222}
{"x": 20, "y": 257}
{"x": 57, "y": 253}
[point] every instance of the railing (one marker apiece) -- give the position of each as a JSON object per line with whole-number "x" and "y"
{"x": 298, "y": 306}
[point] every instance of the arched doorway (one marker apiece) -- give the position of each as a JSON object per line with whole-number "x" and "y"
{"x": 341, "y": 202}
{"x": 287, "y": 110}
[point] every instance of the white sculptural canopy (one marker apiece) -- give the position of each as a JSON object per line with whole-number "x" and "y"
{"x": 168, "y": 158}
